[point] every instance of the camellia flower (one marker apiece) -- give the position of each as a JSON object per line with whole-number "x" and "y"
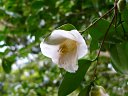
{"x": 98, "y": 91}
{"x": 64, "y": 48}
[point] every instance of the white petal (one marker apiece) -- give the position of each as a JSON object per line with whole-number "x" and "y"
{"x": 58, "y": 36}
{"x": 50, "y": 51}
{"x": 78, "y": 36}
{"x": 69, "y": 61}
{"x": 82, "y": 50}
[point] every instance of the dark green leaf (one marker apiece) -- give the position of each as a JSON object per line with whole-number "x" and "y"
{"x": 72, "y": 80}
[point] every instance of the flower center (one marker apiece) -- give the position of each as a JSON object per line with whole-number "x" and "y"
{"x": 67, "y": 46}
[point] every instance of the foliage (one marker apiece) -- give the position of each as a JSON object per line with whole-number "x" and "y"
{"x": 24, "y": 71}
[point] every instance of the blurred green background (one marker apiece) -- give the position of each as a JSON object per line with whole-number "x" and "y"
{"x": 24, "y": 71}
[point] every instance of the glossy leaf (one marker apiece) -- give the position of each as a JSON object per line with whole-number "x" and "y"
{"x": 71, "y": 81}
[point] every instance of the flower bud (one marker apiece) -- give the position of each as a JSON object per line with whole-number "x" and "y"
{"x": 98, "y": 91}
{"x": 121, "y": 5}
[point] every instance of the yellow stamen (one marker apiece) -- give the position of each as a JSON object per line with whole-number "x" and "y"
{"x": 68, "y": 52}
{"x": 67, "y": 46}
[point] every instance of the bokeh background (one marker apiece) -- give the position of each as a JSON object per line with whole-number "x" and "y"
{"x": 24, "y": 71}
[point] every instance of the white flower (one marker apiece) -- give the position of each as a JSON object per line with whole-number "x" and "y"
{"x": 64, "y": 48}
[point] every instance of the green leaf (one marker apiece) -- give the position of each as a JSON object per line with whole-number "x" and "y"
{"x": 119, "y": 57}
{"x": 67, "y": 27}
{"x": 94, "y": 45}
{"x": 6, "y": 65}
{"x": 85, "y": 91}
{"x": 71, "y": 81}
